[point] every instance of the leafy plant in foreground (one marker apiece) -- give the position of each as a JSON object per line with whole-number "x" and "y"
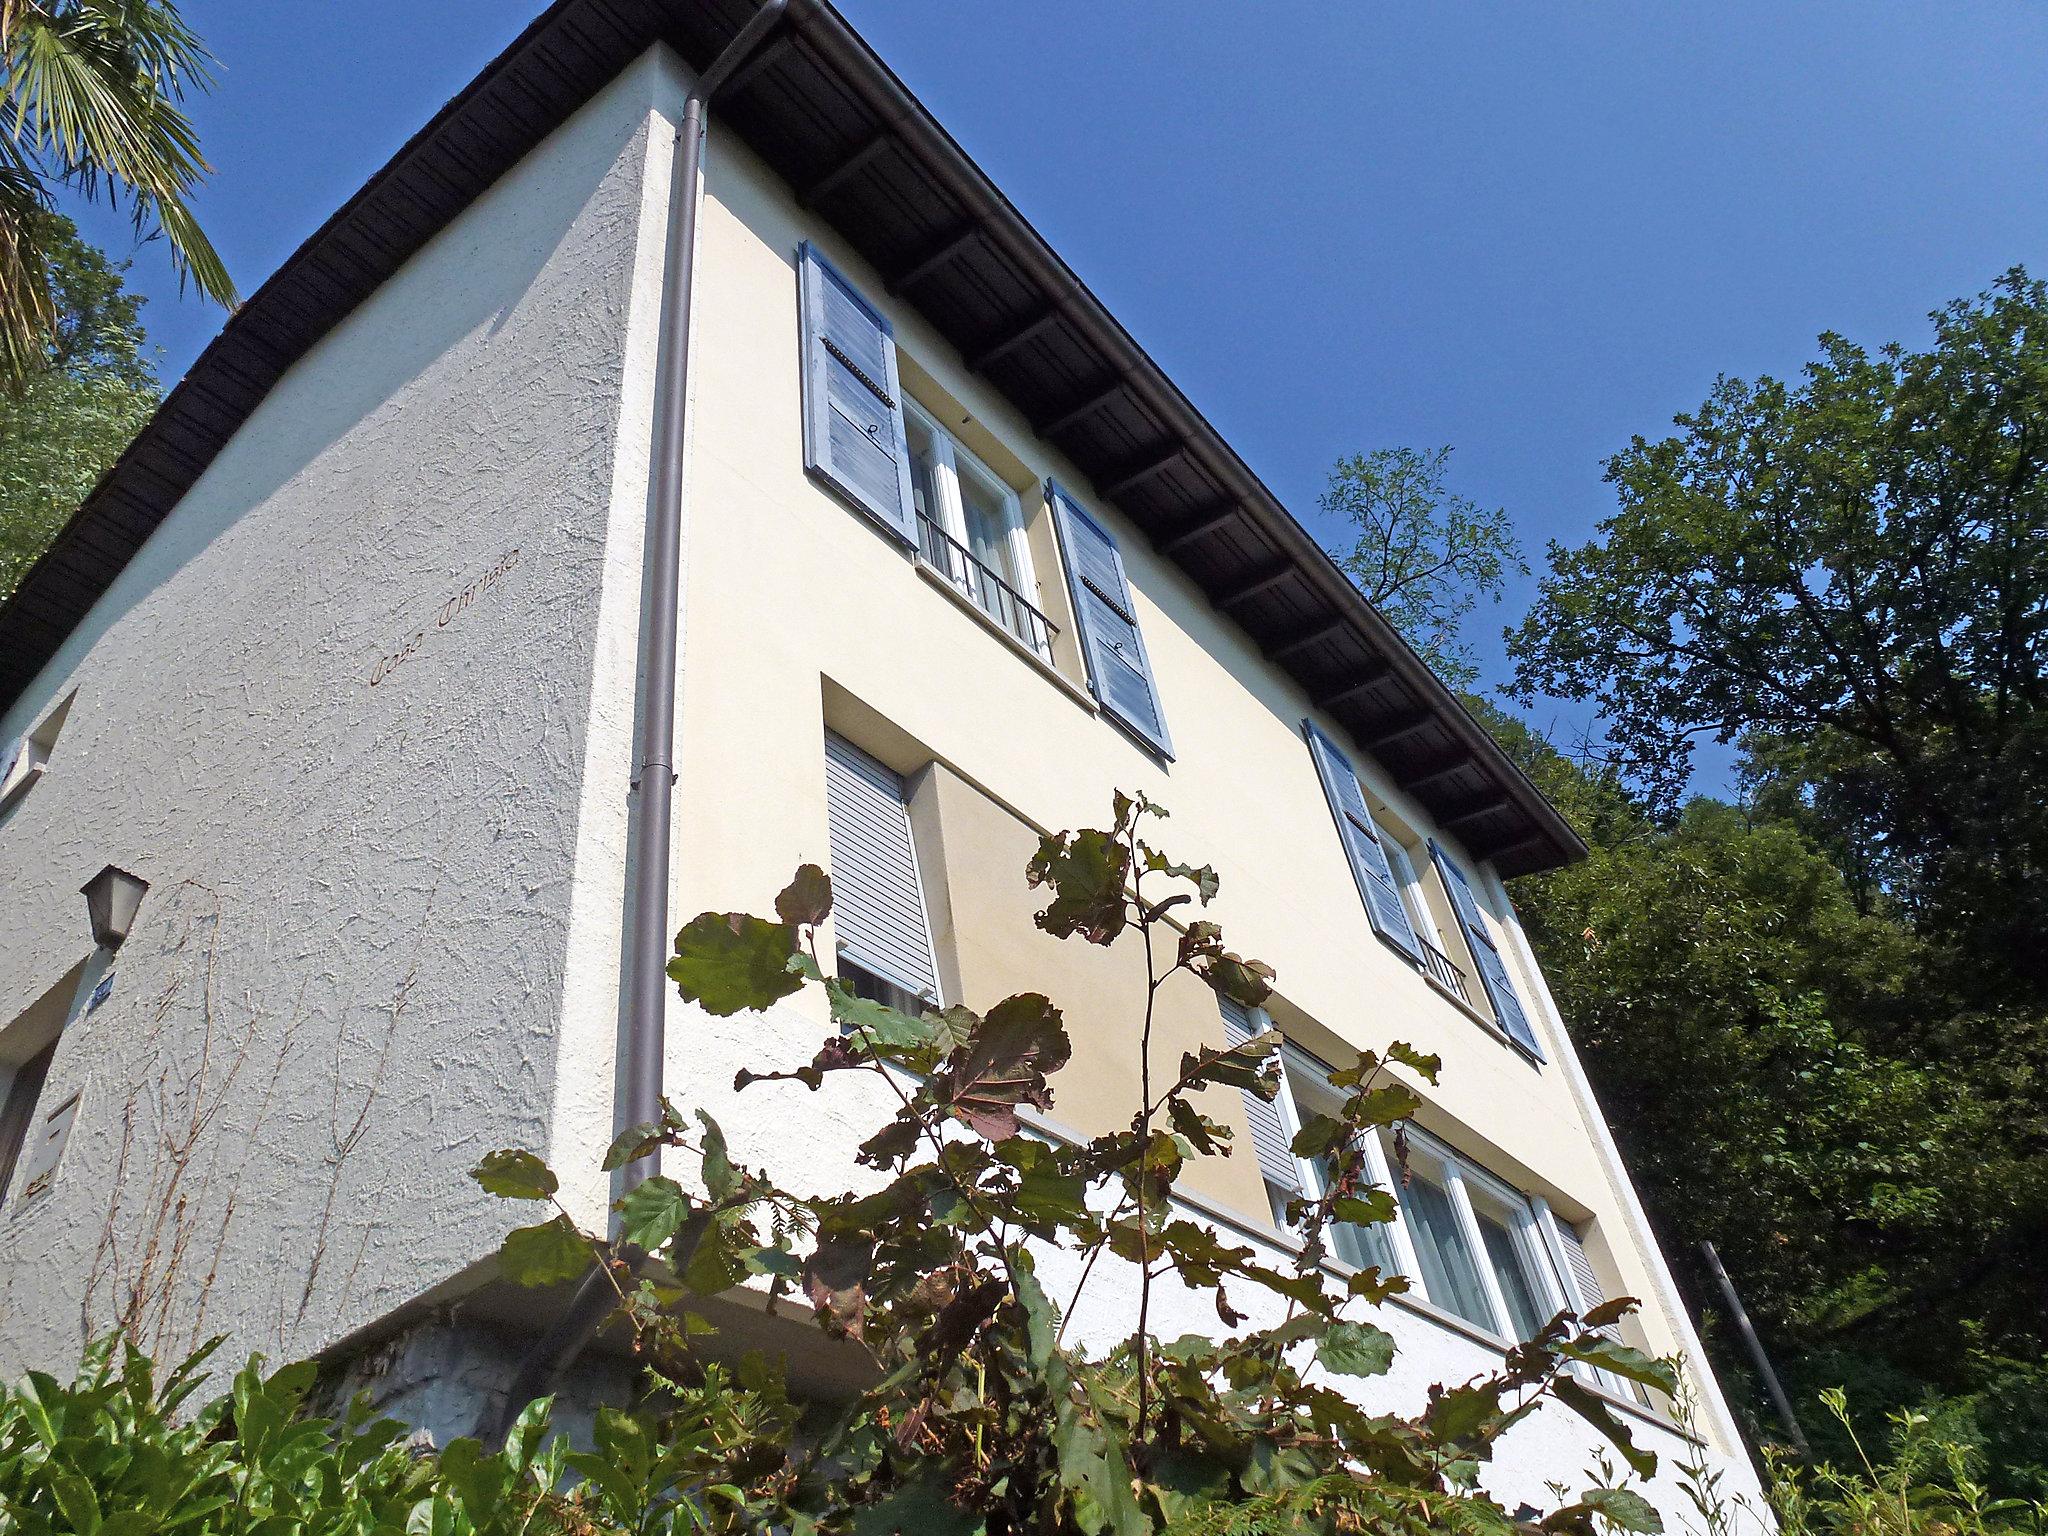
{"x": 982, "y": 1414}
{"x": 1929, "y": 1485}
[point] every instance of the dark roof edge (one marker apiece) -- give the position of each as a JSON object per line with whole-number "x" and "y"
{"x": 894, "y": 102}
{"x": 239, "y": 366}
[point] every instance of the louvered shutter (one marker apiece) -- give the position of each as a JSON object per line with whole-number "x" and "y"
{"x": 853, "y": 406}
{"x": 1588, "y": 1294}
{"x": 1119, "y": 673}
{"x": 878, "y": 912}
{"x": 1269, "y": 1132}
{"x": 1590, "y": 1291}
{"x": 1493, "y": 970}
{"x": 1361, "y": 837}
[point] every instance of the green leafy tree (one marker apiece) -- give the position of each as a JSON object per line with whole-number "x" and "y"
{"x": 1850, "y": 574}
{"x": 1783, "y": 1085}
{"x": 1423, "y": 554}
{"x": 981, "y": 1414}
{"x": 93, "y": 97}
{"x": 89, "y": 396}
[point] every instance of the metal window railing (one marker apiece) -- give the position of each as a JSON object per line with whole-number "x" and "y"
{"x": 990, "y": 593}
{"x": 1444, "y": 971}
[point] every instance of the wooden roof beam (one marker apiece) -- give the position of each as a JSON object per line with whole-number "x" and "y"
{"x": 767, "y": 57}
{"x": 1281, "y": 654}
{"x": 1149, "y": 470}
{"x": 1210, "y": 522}
{"x": 1096, "y": 400}
{"x": 845, "y": 170}
{"x": 1003, "y": 346}
{"x": 1401, "y": 730}
{"x": 1425, "y": 782}
{"x": 1262, "y": 583}
{"x": 942, "y": 255}
{"x": 1476, "y": 811}
{"x": 1360, "y": 682}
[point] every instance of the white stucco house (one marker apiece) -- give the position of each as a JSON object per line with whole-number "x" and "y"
{"x": 355, "y": 675}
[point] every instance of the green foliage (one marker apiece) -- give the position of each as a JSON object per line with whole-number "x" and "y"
{"x": 71, "y": 416}
{"x": 1929, "y": 1484}
{"x": 119, "y": 1453}
{"x": 1843, "y": 577}
{"x": 1424, "y": 555}
{"x": 1784, "y": 1084}
{"x": 980, "y": 1415}
{"x": 731, "y": 959}
{"x": 93, "y": 102}
{"x": 1846, "y": 576}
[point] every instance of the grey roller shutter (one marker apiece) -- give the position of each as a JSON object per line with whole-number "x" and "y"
{"x": 1370, "y": 866}
{"x": 1493, "y": 970}
{"x": 878, "y": 911}
{"x": 853, "y": 406}
{"x": 1590, "y": 1291}
{"x": 1119, "y": 672}
{"x": 1277, "y": 1163}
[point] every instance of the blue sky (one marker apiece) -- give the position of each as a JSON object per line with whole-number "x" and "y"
{"x": 1526, "y": 230}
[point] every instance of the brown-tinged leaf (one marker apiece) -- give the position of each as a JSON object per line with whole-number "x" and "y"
{"x": 806, "y": 900}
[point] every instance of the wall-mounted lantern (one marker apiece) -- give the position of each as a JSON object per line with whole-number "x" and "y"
{"x": 111, "y": 898}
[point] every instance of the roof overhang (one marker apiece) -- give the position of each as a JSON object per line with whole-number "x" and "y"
{"x": 831, "y": 118}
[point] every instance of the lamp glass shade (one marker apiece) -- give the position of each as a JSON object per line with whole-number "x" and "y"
{"x": 112, "y": 898}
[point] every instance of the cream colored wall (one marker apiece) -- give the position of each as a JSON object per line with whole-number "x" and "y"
{"x": 792, "y": 596}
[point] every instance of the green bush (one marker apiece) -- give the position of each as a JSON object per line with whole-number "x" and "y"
{"x": 116, "y": 1453}
{"x": 1929, "y": 1484}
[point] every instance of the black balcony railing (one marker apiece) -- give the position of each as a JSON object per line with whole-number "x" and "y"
{"x": 989, "y": 592}
{"x": 1444, "y": 971}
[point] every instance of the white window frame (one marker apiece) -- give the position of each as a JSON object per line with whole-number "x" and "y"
{"x": 1525, "y": 1231}
{"x": 1531, "y": 1229}
{"x": 1313, "y": 1185}
{"x": 950, "y": 461}
{"x": 1412, "y": 896}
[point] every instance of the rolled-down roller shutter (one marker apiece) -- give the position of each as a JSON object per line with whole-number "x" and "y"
{"x": 1277, "y": 1164}
{"x": 878, "y": 910}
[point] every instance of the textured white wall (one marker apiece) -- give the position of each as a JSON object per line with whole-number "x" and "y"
{"x": 355, "y": 795}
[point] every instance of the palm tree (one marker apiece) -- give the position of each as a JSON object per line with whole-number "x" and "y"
{"x": 91, "y": 101}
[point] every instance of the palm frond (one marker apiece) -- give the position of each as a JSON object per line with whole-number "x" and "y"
{"x": 27, "y": 314}
{"x": 92, "y": 101}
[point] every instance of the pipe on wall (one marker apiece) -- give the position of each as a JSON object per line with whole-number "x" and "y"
{"x": 643, "y": 1043}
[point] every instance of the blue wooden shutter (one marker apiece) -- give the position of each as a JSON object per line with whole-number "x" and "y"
{"x": 853, "y": 405}
{"x": 1493, "y": 970}
{"x": 1119, "y": 674}
{"x": 878, "y": 913}
{"x": 1277, "y": 1163}
{"x": 1361, "y": 837}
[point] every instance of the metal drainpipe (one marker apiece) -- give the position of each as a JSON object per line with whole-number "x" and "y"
{"x": 644, "y": 1038}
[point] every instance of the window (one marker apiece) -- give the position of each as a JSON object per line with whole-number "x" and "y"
{"x": 18, "y": 1114}
{"x": 1442, "y": 971}
{"x": 1468, "y": 1242}
{"x": 1486, "y": 955}
{"x": 878, "y": 912}
{"x": 1304, "y": 1090}
{"x": 1479, "y": 1245}
{"x": 1119, "y": 671}
{"x": 971, "y": 530}
{"x": 23, "y": 760}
